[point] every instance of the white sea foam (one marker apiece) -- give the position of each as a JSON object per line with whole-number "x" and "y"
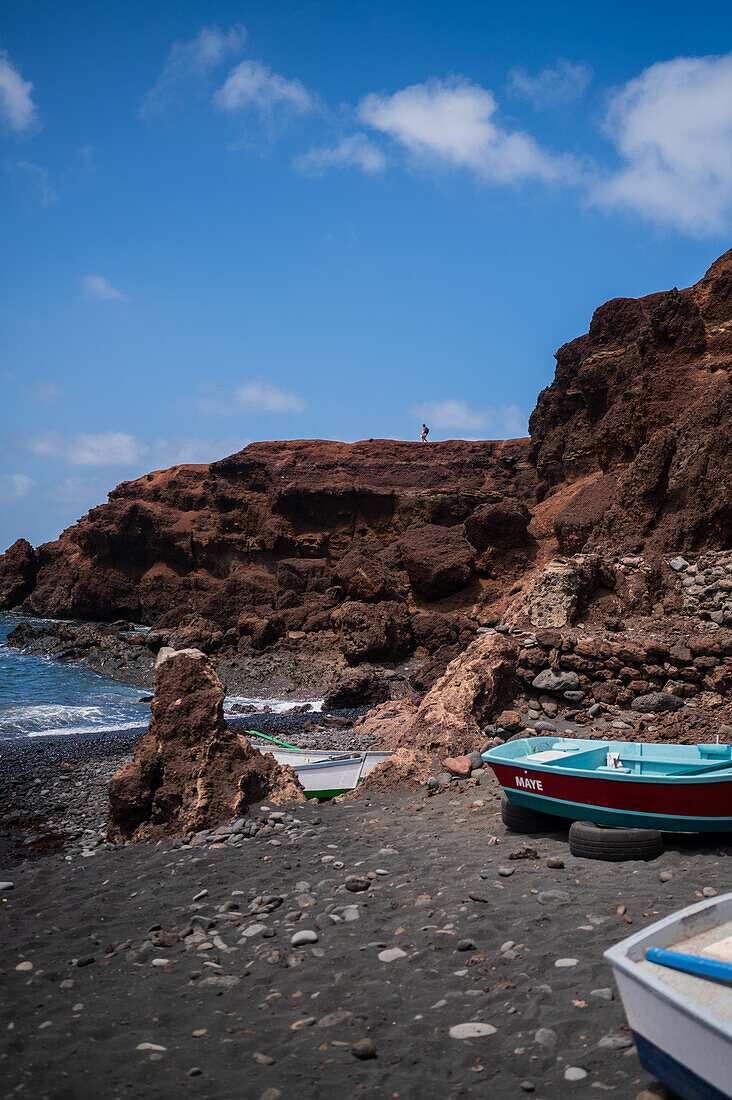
{"x": 277, "y": 706}
{"x": 68, "y": 731}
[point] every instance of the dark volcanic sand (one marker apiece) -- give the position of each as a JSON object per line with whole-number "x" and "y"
{"x": 76, "y": 1021}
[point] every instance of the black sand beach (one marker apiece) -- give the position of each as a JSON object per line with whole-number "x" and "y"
{"x": 170, "y": 970}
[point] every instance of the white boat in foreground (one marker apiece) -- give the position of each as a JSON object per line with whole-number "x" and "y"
{"x": 330, "y": 777}
{"x": 681, "y": 1022}
{"x": 296, "y": 757}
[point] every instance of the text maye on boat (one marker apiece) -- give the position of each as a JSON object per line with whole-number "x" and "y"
{"x": 631, "y": 784}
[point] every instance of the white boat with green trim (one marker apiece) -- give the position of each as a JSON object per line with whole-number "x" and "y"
{"x": 322, "y": 773}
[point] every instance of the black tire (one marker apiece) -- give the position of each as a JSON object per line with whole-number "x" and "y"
{"x": 519, "y": 819}
{"x": 588, "y": 841}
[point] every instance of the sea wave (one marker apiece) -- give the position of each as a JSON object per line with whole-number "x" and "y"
{"x": 277, "y": 706}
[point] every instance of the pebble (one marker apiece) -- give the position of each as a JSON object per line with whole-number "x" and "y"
{"x": 545, "y": 1037}
{"x": 195, "y": 1071}
{"x": 392, "y": 954}
{"x": 666, "y": 876}
{"x": 363, "y": 1049}
{"x": 357, "y": 883}
{"x": 566, "y": 962}
{"x": 6, "y": 886}
{"x": 471, "y": 1030}
{"x": 271, "y": 1094}
{"x": 605, "y": 993}
{"x": 304, "y": 937}
{"x": 709, "y": 892}
{"x": 150, "y": 1046}
{"x": 505, "y": 872}
{"x": 615, "y": 1042}
{"x": 298, "y": 1025}
{"x": 466, "y": 945}
{"x": 555, "y": 862}
{"x": 201, "y": 894}
{"x": 575, "y": 1073}
{"x": 24, "y": 966}
{"x": 262, "y": 1059}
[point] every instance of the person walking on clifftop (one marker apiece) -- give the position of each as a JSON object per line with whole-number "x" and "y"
{"x": 425, "y": 433}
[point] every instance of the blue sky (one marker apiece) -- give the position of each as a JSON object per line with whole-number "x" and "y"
{"x": 224, "y": 222}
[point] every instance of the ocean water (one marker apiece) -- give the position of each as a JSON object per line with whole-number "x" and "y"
{"x": 41, "y": 698}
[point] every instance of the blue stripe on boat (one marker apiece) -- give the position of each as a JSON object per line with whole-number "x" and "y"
{"x": 675, "y": 1076}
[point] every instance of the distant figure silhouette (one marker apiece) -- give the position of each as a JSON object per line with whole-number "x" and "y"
{"x": 425, "y": 433}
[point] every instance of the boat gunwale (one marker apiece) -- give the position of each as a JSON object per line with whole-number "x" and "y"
{"x": 715, "y": 774}
{"x": 618, "y": 956}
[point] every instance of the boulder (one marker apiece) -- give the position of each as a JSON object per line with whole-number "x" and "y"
{"x": 367, "y": 631}
{"x": 189, "y": 771}
{"x": 657, "y": 702}
{"x": 503, "y": 521}
{"x": 364, "y": 577}
{"x": 556, "y": 681}
{"x": 18, "y": 570}
{"x": 438, "y": 560}
{"x": 458, "y": 765}
{"x": 356, "y": 689}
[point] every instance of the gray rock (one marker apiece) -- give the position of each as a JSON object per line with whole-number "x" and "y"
{"x": 574, "y": 696}
{"x": 472, "y": 1030}
{"x": 615, "y": 1042}
{"x": 7, "y": 886}
{"x": 392, "y": 954}
{"x": 679, "y": 564}
{"x": 363, "y": 1050}
{"x": 551, "y": 680}
{"x": 357, "y": 883}
{"x": 545, "y": 1037}
{"x": 605, "y": 993}
{"x": 575, "y": 1073}
{"x": 547, "y": 896}
{"x": 657, "y": 702}
{"x": 466, "y": 945}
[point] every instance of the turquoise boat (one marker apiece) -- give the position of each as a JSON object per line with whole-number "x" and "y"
{"x": 630, "y": 784}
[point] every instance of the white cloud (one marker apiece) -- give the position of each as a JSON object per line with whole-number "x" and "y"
{"x": 79, "y": 491}
{"x": 452, "y": 414}
{"x": 15, "y": 487}
{"x": 189, "y": 63}
{"x": 17, "y": 108}
{"x": 253, "y": 396}
{"x": 37, "y": 180}
{"x": 562, "y": 84}
{"x": 183, "y": 449}
{"x": 353, "y": 151}
{"x": 672, "y": 127}
{"x": 453, "y": 122}
{"x": 89, "y": 449}
{"x": 96, "y": 286}
{"x": 253, "y": 86}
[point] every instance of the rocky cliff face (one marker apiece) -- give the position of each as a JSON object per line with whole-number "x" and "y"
{"x": 639, "y": 411}
{"x": 383, "y": 548}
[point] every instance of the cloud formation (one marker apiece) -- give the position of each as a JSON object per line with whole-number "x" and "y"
{"x": 355, "y": 151}
{"x": 14, "y": 487}
{"x": 672, "y": 127}
{"x": 253, "y": 86}
{"x": 96, "y": 286}
{"x": 255, "y": 395}
{"x": 551, "y": 87}
{"x": 452, "y": 414}
{"x": 17, "y": 109}
{"x": 89, "y": 449}
{"x": 189, "y": 63}
{"x": 454, "y": 122}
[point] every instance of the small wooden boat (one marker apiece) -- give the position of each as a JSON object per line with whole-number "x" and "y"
{"x": 681, "y": 1020}
{"x": 331, "y": 777}
{"x": 632, "y": 784}
{"x": 326, "y": 781}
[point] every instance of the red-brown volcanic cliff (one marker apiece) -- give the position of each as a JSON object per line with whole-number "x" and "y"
{"x": 383, "y": 547}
